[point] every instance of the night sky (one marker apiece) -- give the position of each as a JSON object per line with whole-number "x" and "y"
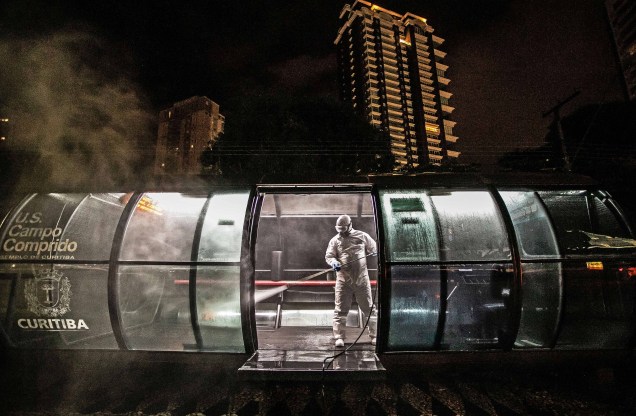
{"x": 510, "y": 60}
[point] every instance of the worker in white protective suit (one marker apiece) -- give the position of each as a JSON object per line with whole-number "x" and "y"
{"x": 347, "y": 254}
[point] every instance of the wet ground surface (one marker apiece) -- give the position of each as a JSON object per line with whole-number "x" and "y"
{"x": 96, "y": 383}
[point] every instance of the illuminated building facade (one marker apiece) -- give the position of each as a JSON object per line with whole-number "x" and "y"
{"x": 622, "y": 19}
{"x": 185, "y": 129}
{"x": 391, "y": 71}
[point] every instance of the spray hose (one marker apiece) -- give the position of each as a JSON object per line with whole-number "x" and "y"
{"x": 262, "y": 295}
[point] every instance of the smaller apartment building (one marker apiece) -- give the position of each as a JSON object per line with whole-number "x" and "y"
{"x": 185, "y": 130}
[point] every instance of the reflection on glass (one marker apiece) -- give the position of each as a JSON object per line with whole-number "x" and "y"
{"x": 471, "y": 226}
{"x": 155, "y": 308}
{"x": 162, "y": 227}
{"x": 541, "y": 300}
{"x": 478, "y": 305}
{"x": 93, "y": 226}
{"x": 57, "y": 306}
{"x": 532, "y": 226}
{"x": 599, "y": 309}
{"x": 585, "y": 224}
{"x": 219, "y": 308}
{"x": 411, "y": 234}
{"x": 414, "y": 307}
{"x": 222, "y": 231}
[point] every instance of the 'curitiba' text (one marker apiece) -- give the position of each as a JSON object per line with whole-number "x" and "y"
{"x": 52, "y": 324}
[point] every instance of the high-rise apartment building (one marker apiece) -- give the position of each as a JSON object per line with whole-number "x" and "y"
{"x": 622, "y": 19}
{"x": 391, "y": 71}
{"x": 185, "y": 130}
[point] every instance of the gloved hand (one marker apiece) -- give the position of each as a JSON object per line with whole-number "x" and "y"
{"x": 336, "y": 265}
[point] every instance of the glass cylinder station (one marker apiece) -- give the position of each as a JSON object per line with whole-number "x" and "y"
{"x": 459, "y": 267}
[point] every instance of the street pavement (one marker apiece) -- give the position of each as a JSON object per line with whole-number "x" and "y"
{"x": 95, "y": 383}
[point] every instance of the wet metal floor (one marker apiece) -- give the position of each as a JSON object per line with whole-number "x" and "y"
{"x": 310, "y": 339}
{"x": 308, "y": 353}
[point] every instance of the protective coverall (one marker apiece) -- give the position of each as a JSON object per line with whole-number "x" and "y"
{"x": 350, "y": 249}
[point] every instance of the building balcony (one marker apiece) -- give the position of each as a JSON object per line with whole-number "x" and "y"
{"x": 389, "y": 54}
{"x": 424, "y": 67}
{"x": 437, "y": 40}
{"x": 433, "y": 142}
{"x": 396, "y": 132}
{"x": 398, "y": 140}
{"x": 423, "y": 55}
{"x": 430, "y": 118}
{"x": 421, "y": 44}
{"x": 445, "y": 94}
{"x": 393, "y": 82}
{"x": 431, "y": 128}
{"x": 393, "y": 90}
{"x": 435, "y": 157}
{"x": 452, "y": 153}
{"x": 400, "y": 155}
{"x": 432, "y": 149}
{"x": 451, "y": 139}
{"x": 389, "y": 59}
{"x": 448, "y": 124}
{"x": 440, "y": 54}
{"x": 443, "y": 80}
{"x": 424, "y": 62}
{"x": 390, "y": 66}
{"x": 442, "y": 67}
{"x": 394, "y": 105}
{"x": 420, "y": 38}
{"x": 386, "y": 31}
{"x": 426, "y": 81}
{"x": 394, "y": 113}
{"x": 388, "y": 43}
{"x": 447, "y": 108}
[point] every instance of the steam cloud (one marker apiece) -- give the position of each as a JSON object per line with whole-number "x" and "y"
{"x": 81, "y": 119}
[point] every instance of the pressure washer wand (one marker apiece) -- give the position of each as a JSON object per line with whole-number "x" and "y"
{"x": 260, "y": 296}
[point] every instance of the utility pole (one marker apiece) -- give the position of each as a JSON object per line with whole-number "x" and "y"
{"x": 556, "y": 110}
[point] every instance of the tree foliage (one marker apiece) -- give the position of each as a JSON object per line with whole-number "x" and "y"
{"x": 275, "y": 136}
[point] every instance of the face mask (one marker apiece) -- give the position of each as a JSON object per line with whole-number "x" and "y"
{"x": 343, "y": 229}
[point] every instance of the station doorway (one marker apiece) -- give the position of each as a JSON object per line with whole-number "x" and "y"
{"x": 294, "y": 285}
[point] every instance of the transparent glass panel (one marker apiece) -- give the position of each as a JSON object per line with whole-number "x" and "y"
{"x": 471, "y": 226}
{"x": 322, "y": 204}
{"x": 290, "y": 247}
{"x": 478, "y": 305}
{"x": 414, "y": 307}
{"x": 162, "y": 227}
{"x": 219, "y": 308}
{"x": 35, "y": 231}
{"x": 93, "y": 226}
{"x": 155, "y": 308}
{"x": 222, "y": 231}
{"x": 541, "y": 304}
{"x": 598, "y": 308}
{"x": 410, "y": 231}
{"x": 584, "y": 224}
{"x": 55, "y": 306}
{"x": 535, "y": 236}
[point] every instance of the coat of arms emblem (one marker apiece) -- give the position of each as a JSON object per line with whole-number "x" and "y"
{"x": 48, "y": 294}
